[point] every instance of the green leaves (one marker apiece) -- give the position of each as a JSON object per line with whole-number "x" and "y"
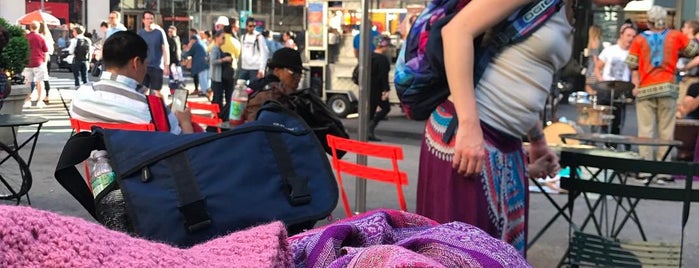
{"x": 16, "y": 54}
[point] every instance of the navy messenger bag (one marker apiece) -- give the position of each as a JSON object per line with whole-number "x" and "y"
{"x": 187, "y": 189}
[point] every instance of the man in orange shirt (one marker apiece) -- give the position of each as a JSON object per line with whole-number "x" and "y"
{"x": 652, "y": 58}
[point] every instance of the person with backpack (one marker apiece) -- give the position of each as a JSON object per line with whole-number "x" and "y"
{"x": 254, "y": 53}
{"x": 80, "y": 49}
{"x": 472, "y": 167}
{"x": 652, "y": 58}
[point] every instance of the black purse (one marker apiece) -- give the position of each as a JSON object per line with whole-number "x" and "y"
{"x": 97, "y": 69}
{"x": 318, "y": 116}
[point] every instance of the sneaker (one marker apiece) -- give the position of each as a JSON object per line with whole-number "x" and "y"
{"x": 27, "y": 104}
{"x": 40, "y": 105}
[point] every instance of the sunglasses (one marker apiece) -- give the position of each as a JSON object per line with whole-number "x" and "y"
{"x": 294, "y": 74}
{"x": 251, "y": 26}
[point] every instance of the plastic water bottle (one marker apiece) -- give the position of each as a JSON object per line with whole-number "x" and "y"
{"x": 102, "y": 174}
{"x": 239, "y": 101}
{"x": 111, "y": 207}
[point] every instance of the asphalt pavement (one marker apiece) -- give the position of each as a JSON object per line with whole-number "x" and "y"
{"x": 661, "y": 220}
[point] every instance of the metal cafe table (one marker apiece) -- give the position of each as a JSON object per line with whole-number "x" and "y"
{"x": 15, "y": 176}
{"x": 621, "y": 139}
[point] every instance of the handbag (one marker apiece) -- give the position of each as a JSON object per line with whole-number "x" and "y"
{"x": 187, "y": 189}
{"x": 96, "y": 69}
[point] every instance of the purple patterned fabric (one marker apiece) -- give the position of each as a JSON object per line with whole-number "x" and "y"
{"x": 390, "y": 238}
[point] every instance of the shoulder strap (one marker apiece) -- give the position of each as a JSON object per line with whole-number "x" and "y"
{"x": 76, "y": 150}
{"x": 158, "y": 113}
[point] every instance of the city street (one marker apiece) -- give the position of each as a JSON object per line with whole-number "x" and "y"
{"x": 661, "y": 220}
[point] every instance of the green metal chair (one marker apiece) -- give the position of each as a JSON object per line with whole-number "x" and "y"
{"x": 602, "y": 248}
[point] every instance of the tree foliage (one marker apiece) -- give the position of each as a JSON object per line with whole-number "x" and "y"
{"x": 16, "y": 54}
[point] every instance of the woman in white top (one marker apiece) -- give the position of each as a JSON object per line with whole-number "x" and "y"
{"x": 288, "y": 40}
{"x": 50, "y": 44}
{"x": 479, "y": 176}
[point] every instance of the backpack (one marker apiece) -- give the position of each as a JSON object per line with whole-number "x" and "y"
{"x": 420, "y": 77}
{"x": 82, "y": 48}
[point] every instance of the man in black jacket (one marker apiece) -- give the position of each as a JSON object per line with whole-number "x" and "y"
{"x": 379, "y": 88}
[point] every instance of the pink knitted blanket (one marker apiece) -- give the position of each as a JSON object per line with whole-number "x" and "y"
{"x": 34, "y": 238}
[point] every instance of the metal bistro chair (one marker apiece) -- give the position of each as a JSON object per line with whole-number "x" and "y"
{"x": 602, "y": 248}
{"x": 393, "y": 175}
{"x": 209, "y": 121}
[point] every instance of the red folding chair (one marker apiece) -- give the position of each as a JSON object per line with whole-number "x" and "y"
{"x": 79, "y": 125}
{"x": 393, "y": 175}
{"x": 209, "y": 121}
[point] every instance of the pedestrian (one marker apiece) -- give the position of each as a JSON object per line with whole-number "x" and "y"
{"x": 254, "y": 53}
{"x": 653, "y": 58}
{"x": 200, "y": 67}
{"x": 288, "y": 39}
{"x": 611, "y": 66}
{"x": 687, "y": 67}
{"x": 230, "y": 45}
{"x": 35, "y": 70}
{"x": 175, "y": 50}
{"x": 158, "y": 57}
{"x": 50, "y": 45}
{"x": 80, "y": 49}
{"x": 594, "y": 46}
{"x": 379, "y": 88}
{"x": 221, "y": 81}
{"x": 114, "y": 24}
{"x": 478, "y": 174}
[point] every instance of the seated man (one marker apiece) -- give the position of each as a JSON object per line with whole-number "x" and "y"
{"x": 116, "y": 97}
{"x": 284, "y": 73}
{"x": 688, "y": 107}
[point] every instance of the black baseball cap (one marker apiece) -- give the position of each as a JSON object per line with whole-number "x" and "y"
{"x": 287, "y": 58}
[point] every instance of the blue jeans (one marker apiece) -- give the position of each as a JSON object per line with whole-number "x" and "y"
{"x": 79, "y": 69}
{"x": 248, "y": 75}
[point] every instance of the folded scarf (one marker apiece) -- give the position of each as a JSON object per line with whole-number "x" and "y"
{"x": 388, "y": 238}
{"x": 34, "y": 238}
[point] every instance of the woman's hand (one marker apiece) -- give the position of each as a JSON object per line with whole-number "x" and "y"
{"x": 539, "y": 150}
{"x": 469, "y": 150}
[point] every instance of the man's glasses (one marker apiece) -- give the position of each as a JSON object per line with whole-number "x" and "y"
{"x": 251, "y": 26}
{"x": 294, "y": 74}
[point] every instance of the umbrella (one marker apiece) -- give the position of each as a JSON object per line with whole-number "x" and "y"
{"x": 39, "y": 16}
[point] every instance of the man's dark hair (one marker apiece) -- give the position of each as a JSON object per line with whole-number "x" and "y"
{"x": 121, "y": 47}
{"x": 148, "y": 12}
{"x": 694, "y": 24}
{"x": 265, "y": 33}
{"x": 249, "y": 20}
{"x": 193, "y": 31}
{"x": 104, "y": 24}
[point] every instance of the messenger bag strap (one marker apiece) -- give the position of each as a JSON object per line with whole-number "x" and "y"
{"x": 77, "y": 150}
{"x": 192, "y": 204}
{"x": 295, "y": 186}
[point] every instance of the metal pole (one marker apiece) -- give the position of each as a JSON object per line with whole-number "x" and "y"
{"x": 364, "y": 82}
{"x": 42, "y": 5}
{"x": 271, "y": 26}
{"x": 200, "y": 13}
{"x": 172, "y": 13}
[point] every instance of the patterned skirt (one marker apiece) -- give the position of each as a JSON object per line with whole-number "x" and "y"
{"x": 497, "y": 201}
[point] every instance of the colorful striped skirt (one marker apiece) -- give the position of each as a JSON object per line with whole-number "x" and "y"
{"x": 497, "y": 201}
